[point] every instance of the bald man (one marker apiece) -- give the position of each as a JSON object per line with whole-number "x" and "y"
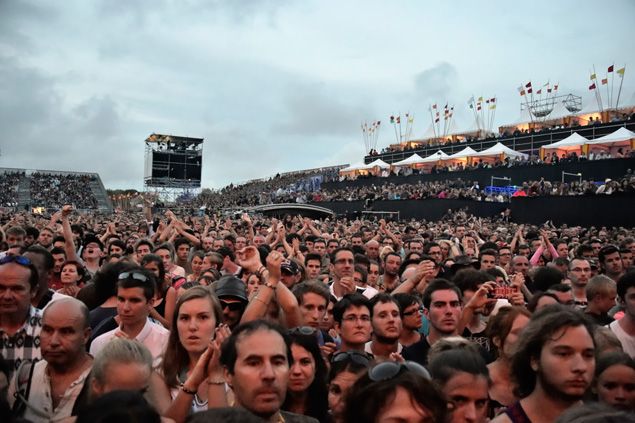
{"x": 54, "y": 384}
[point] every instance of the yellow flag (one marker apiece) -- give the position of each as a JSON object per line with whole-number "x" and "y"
{"x": 592, "y": 76}
{"x": 480, "y": 99}
{"x": 621, "y": 71}
{"x": 492, "y": 107}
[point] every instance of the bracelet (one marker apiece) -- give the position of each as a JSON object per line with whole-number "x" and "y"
{"x": 271, "y": 285}
{"x": 215, "y": 382}
{"x": 259, "y": 271}
{"x": 187, "y": 391}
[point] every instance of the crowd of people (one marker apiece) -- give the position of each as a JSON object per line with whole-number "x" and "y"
{"x": 142, "y": 317}
{"x": 9, "y": 182}
{"x": 54, "y": 190}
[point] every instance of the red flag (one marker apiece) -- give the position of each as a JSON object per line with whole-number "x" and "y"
{"x": 548, "y": 90}
{"x": 529, "y": 91}
{"x": 522, "y": 92}
{"x": 610, "y": 69}
{"x": 398, "y": 119}
{"x": 555, "y": 87}
{"x": 539, "y": 91}
{"x": 436, "y": 120}
{"x": 528, "y": 85}
{"x": 605, "y": 81}
{"x": 478, "y": 107}
{"x": 434, "y": 106}
{"x": 592, "y": 86}
{"x": 492, "y": 100}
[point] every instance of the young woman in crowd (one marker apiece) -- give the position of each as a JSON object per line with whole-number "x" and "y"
{"x": 166, "y": 294}
{"x": 346, "y": 368}
{"x": 615, "y": 380}
{"x": 72, "y": 277}
{"x": 462, "y": 377}
{"x": 196, "y": 264}
{"x": 190, "y": 375}
{"x": 306, "y": 387}
{"x": 503, "y": 331}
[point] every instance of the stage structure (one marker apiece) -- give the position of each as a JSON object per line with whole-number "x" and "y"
{"x": 173, "y": 166}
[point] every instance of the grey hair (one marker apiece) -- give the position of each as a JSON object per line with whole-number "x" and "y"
{"x": 119, "y": 350}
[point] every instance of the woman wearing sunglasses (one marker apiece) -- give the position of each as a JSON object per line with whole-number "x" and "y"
{"x": 190, "y": 373}
{"x": 392, "y": 391}
{"x": 306, "y": 387}
{"x": 346, "y": 368}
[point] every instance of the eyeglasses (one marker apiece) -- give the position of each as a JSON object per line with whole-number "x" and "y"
{"x": 415, "y": 311}
{"x": 234, "y": 306}
{"x": 357, "y": 357}
{"x": 10, "y": 258}
{"x": 302, "y": 330}
{"x": 391, "y": 369}
{"x": 352, "y": 318}
{"x": 133, "y": 275}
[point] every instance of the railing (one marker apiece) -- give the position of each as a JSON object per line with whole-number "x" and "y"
{"x": 525, "y": 143}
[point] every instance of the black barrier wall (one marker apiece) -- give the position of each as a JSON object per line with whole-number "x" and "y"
{"x": 597, "y": 170}
{"x": 594, "y": 210}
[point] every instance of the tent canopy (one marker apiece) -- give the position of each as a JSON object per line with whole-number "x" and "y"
{"x": 498, "y": 149}
{"x": 353, "y": 167}
{"x": 466, "y": 152}
{"x": 435, "y": 157}
{"x": 572, "y": 142}
{"x": 414, "y": 159}
{"x": 377, "y": 163}
{"x": 620, "y": 135}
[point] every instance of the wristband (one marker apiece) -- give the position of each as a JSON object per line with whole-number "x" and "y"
{"x": 271, "y": 285}
{"x": 260, "y": 271}
{"x": 187, "y": 391}
{"x": 215, "y": 382}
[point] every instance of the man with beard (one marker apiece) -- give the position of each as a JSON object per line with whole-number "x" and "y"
{"x": 390, "y": 279}
{"x": 611, "y": 262}
{"x": 387, "y": 326}
{"x": 553, "y": 365}
{"x": 579, "y": 275}
{"x": 442, "y": 308}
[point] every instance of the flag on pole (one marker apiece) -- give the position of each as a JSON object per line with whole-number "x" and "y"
{"x": 492, "y": 100}
{"x": 398, "y": 120}
{"x": 539, "y": 91}
{"x": 480, "y": 99}
{"x": 434, "y": 106}
{"x": 478, "y": 107}
{"x": 487, "y": 101}
{"x": 521, "y": 90}
{"x": 592, "y": 86}
{"x": 555, "y": 87}
{"x": 392, "y": 119}
{"x": 610, "y": 69}
{"x": 471, "y": 105}
{"x": 529, "y": 90}
{"x": 528, "y": 85}
{"x": 605, "y": 81}
{"x": 471, "y": 100}
{"x": 548, "y": 90}
{"x": 492, "y": 106}
{"x": 621, "y": 71}
{"x": 593, "y": 76}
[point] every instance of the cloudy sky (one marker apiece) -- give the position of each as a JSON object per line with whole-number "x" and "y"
{"x": 275, "y": 85}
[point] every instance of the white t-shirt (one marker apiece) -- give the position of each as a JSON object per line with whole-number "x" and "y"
{"x": 627, "y": 341}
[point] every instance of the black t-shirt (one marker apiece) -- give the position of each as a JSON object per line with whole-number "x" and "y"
{"x": 417, "y": 352}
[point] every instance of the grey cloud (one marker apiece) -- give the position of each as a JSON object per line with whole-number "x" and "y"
{"x": 436, "y": 83}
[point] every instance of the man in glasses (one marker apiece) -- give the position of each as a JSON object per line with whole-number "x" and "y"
{"x": 20, "y": 322}
{"x": 232, "y": 294}
{"x": 135, "y": 294}
{"x": 351, "y": 316}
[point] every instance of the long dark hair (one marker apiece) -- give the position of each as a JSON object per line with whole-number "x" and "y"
{"x": 317, "y": 405}
{"x": 175, "y": 357}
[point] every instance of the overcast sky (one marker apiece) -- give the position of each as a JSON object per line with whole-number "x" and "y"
{"x": 276, "y": 85}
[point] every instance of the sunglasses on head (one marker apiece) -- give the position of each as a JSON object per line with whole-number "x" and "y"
{"x": 390, "y": 369}
{"x": 10, "y": 258}
{"x": 133, "y": 275}
{"x": 302, "y": 330}
{"x": 357, "y": 357}
{"x": 235, "y": 306}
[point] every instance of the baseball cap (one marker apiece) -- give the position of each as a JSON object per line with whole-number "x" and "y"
{"x": 230, "y": 286}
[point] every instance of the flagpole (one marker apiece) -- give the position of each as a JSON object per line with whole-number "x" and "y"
{"x": 471, "y": 104}
{"x": 620, "y": 90}
{"x": 608, "y": 96}
{"x": 612, "y": 83}
{"x": 434, "y": 130}
{"x": 394, "y": 125}
{"x": 598, "y": 90}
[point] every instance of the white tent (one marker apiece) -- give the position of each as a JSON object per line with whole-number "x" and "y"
{"x": 353, "y": 167}
{"x": 435, "y": 157}
{"x": 466, "y": 152}
{"x": 414, "y": 159}
{"x": 620, "y": 135}
{"x": 524, "y": 118}
{"x": 558, "y": 112}
{"x": 377, "y": 163}
{"x": 572, "y": 142}
{"x": 498, "y": 149}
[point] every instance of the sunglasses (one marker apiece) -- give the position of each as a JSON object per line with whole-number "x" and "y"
{"x": 10, "y": 258}
{"x": 357, "y": 357}
{"x": 237, "y": 306}
{"x": 133, "y": 275}
{"x": 302, "y": 330}
{"x": 390, "y": 369}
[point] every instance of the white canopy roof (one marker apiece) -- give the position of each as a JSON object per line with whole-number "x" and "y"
{"x": 377, "y": 163}
{"x": 497, "y": 149}
{"x": 573, "y": 140}
{"x": 466, "y": 152}
{"x": 621, "y": 134}
{"x": 524, "y": 117}
{"x": 414, "y": 159}
{"x": 353, "y": 167}
{"x": 434, "y": 157}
